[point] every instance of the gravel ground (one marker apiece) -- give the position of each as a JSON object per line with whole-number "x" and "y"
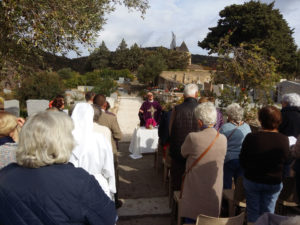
{"x": 138, "y": 177}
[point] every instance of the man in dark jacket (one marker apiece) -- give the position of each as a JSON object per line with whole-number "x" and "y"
{"x": 290, "y": 126}
{"x": 182, "y": 123}
{"x": 290, "y": 112}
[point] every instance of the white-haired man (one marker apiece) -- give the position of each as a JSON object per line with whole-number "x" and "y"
{"x": 290, "y": 112}
{"x": 290, "y": 126}
{"x": 182, "y": 123}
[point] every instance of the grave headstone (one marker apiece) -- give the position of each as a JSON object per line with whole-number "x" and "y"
{"x": 207, "y": 86}
{"x": 6, "y": 91}
{"x": 121, "y": 80}
{"x": 73, "y": 95}
{"x": 217, "y": 89}
{"x": 114, "y": 95}
{"x": 111, "y": 101}
{"x": 12, "y": 106}
{"x": 85, "y": 88}
{"x": 34, "y": 106}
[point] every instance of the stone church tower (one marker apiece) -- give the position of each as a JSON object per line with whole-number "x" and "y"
{"x": 181, "y": 48}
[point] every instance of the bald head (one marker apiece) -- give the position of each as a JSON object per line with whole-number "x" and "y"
{"x": 150, "y": 96}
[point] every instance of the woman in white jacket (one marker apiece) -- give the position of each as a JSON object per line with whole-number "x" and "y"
{"x": 92, "y": 152}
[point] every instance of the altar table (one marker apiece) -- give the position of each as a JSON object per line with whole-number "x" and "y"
{"x": 143, "y": 141}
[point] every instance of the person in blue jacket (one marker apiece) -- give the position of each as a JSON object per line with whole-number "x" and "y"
{"x": 235, "y": 131}
{"x": 42, "y": 188}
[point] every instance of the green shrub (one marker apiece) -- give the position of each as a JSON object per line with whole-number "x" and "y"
{"x": 40, "y": 85}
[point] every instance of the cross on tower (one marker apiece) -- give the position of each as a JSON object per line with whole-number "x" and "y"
{"x": 152, "y": 110}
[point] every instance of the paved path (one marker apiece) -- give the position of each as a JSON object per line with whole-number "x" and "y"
{"x": 141, "y": 186}
{"x": 128, "y": 115}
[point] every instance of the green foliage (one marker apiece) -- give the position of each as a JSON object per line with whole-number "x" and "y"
{"x": 297, "y": 74}
{"x": 40, "y": 85}
{"x": 93, "y": 78}
{"x": 122, "y": 46}
{"x": 120, "y": 56}
{"x": 230, "y": 94}
{"x": 115, "y": 74}
{"x": 247, "y": 68}
{"x": 97, "y": 75}
{"x": 135, "y": 57}
{"x": 75, "y": 81}
{"x": 102, "y": 83}
{"x": 66, "y": 73}
{"x": 52, "y": 26}
{"x": 255, "y": 23}
{"x": 71, "y": 79}
{"x": 106, "y": 86}
{"x": 100, "y": 58}
{"x": 125, "y": 58}
{"x": 174, "y": 59}
{"x": 149, "y": 72}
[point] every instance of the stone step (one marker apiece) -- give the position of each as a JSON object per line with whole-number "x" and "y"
{"x": 144, "y": 207}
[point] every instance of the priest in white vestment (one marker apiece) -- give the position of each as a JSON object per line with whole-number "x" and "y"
{"x": 92, "y": 152}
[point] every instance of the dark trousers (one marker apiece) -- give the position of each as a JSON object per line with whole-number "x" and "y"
{"x": 177, "y": 170}
{"x": 298, "y": 183}
{"x": 232, "y": 169}
{"x": 116, "y": 165}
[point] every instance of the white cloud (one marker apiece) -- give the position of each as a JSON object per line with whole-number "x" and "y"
{"x": 188, "y": 19}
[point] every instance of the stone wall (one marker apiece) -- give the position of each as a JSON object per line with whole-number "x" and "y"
{"x": 169, "y": 79}
{"x": 287, "y": 87}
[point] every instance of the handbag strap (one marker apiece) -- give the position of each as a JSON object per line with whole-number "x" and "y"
{"x": 196, "y": 162}
{"x": 236, "y": 127}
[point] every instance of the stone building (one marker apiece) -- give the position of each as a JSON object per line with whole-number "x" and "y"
{"x": 181, "y": 48}
{"x": 172, "y": 79}
{"x": 193, "y": 74}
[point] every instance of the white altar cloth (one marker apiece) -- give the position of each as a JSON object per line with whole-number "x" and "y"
{"x": 143, "y": 141}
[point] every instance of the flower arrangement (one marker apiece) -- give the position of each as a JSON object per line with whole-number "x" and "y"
{"x": 150, "y": 123}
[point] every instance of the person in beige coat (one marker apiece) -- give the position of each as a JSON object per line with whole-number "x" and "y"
{"x": 203, "y": 184}
{"x": 110, "y": 122}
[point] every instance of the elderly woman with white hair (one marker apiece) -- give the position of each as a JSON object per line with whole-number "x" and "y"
{"x": 204, "y": 152}
{"x": 235, "y": 131}
{"x": 290, "y": 125}
{"x": 42, "y": 187}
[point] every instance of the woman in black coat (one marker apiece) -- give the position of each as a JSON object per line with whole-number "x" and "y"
{"x": 262, "y": 158}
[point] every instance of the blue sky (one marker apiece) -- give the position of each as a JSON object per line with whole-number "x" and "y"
{"x": 188, "y": 19}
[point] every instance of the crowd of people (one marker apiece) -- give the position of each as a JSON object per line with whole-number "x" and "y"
{"x": 57, "y": 169}
{"x": 208, "y": 155}
{"x": 60, "y": 169}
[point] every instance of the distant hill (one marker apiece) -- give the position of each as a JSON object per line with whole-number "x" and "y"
{"x": 81, "y": 64}
{"x": 58, "y": 62}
